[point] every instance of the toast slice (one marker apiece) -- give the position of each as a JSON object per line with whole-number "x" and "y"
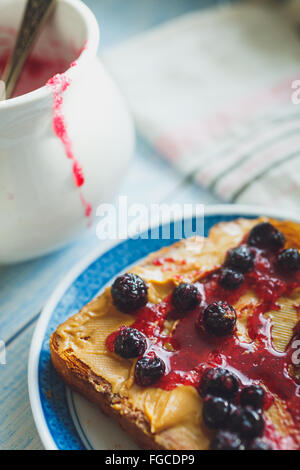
{"x": 158, "y": 418}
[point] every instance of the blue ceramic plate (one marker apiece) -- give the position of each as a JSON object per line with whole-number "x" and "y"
{"x": 65, "y": 420}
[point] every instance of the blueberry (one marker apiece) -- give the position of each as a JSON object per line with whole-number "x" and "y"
{"x": 185, "y": 297}
{"x": 215, "y": 412}
{"x": 219, "y": 382}
{"x": 240, "y": 259}
{"x": 129, "y": 292}
{"x": 148, "y": 370}
{"x": 247, "y": 422}
{"x": 230, "y": 279}
{"x": 226, "y": 440}
{"x": 219, "y": 319}
{"x": 130, "y": 343}
{"x": 266, "y": 236}
{"x": 258, "y": 444}
{"x": 288, "y": 261}
{"x": 254, "y": 396}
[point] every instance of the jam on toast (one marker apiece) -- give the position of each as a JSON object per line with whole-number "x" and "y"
{"x": 195, "y": 347}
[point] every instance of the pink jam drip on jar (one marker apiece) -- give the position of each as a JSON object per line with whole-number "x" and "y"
{"x": 59, "y": 84}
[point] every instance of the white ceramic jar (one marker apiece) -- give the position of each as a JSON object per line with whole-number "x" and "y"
{"x": 40, "y": 205}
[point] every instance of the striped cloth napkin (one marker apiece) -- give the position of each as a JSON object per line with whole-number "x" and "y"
{"x": 215, "y": 93}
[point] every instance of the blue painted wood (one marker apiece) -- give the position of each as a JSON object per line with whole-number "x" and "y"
{"x": 24, "y": 288}
{"x": 17, "y": 429}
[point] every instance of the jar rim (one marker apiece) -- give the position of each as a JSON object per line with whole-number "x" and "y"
{"x": 88, "y": 52}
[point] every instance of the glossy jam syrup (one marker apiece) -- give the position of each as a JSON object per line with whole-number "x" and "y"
{"x": 189, "y": 350}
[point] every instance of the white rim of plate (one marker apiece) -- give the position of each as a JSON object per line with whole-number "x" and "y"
{"x": 42, "y": 323}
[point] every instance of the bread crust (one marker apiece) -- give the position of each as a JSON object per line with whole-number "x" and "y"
{"x": 76, "y": 376}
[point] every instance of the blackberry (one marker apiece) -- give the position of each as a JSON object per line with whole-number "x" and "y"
{"x": 230, "y": 279}
{"x": 240, "y": 258}
{"x": 129, "y": 293}
{"x": 288, "y": 261}
{"x": 253, "y": 396}
{"x": 231, "y": 415}
{"x": 226, "y": 440}
{"x": 219, "y": 319}
{"x": 258, "y": 444}
{"x": 130, "y": 343}
{"x": 148, "y": 370}
{"x": 215, "y": 412}
{"x": 247, "y": 422}
{"x": 266, "y": 236}
{"x": 185, "y": 297}
{"x": 219, "y": 382}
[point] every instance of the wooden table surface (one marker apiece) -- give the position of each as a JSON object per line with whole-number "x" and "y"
{"x": 25, "y": 288}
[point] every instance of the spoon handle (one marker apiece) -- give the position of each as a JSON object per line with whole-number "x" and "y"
{"x": 35, "y": 15}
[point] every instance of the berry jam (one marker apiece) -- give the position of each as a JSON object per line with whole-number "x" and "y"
{"x": 37, "y": 71}
{"x": 188, "y": 352}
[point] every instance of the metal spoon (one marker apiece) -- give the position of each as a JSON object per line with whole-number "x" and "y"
{"x": 35, "y": 16}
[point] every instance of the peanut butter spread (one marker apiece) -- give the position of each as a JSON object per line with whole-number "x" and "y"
{"x": 174, "y": 416}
